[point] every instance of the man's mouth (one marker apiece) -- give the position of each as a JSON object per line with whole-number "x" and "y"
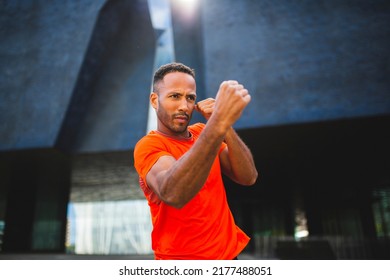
{"x": 181, "y": 118}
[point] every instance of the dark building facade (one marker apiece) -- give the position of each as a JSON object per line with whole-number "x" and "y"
{"x": 75, "y": 81}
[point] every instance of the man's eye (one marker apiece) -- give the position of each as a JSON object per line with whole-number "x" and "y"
{"x": 175, "y": 96}
{"x": 192, "y": 98}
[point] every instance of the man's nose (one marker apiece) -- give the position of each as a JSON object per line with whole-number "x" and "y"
{"x": 183, "y": 106}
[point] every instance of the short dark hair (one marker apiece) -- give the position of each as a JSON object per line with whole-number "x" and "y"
{"x": 170, "y": 68}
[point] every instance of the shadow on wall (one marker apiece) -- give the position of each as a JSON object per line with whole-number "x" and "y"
{"x": 113, "y": 83}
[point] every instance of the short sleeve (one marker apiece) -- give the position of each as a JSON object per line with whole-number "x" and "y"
{"x": 146, "y": 153}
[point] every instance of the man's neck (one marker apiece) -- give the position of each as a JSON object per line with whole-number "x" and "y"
{"x": 182, "y": 136}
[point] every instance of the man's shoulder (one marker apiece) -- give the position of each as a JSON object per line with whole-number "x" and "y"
{"x": 149, "y": 144}
{"x": 151, "y": 137}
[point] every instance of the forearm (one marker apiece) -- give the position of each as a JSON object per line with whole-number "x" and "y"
{"x": 242, "y": 166}
{"x": 183, "y": 180}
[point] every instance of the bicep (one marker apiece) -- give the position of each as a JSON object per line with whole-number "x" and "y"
{"x": 158, "y": 171}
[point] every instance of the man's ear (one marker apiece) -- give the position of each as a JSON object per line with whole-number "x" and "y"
{"x": 154, "y": 100}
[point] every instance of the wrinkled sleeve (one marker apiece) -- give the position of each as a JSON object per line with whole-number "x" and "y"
{"x": 146, "y": 153}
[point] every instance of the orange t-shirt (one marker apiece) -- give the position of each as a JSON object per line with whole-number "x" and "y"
{"x": 204, "y": 228}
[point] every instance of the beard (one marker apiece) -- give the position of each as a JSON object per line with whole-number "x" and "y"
{"x": 168, "y": 121}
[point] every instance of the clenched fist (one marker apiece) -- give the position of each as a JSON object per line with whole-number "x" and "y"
{"x": 205, "y": 107}
{"x": 231, "y": 94}
{"x": 230, "y": 102}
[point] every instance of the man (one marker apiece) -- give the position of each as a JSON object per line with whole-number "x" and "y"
{"x": 180, "y": 167}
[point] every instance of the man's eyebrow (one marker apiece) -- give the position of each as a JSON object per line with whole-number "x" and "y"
{"x": 182, "y": 93}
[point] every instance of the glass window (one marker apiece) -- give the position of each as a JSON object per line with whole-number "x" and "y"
{"x": 107, "y": 213}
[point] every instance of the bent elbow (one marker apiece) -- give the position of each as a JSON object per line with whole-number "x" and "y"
{"x": 173, "y": 201}
{"x": 250, "y": 180}
{"x": 178, "y": 205}
{"x": 255, "y": 178}
{"x": 175, "y": 204}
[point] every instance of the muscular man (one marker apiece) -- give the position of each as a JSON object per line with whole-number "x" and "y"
{"x": 180, "y": 167}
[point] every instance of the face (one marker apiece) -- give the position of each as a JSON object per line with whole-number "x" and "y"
{"x": 174, "y": 103}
